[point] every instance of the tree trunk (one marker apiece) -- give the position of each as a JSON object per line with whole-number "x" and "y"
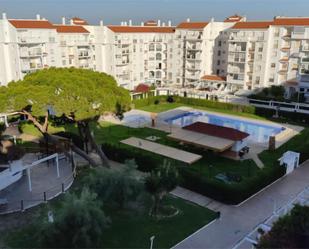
{"x": 44, "y": 128}
{"x": 97, "y": 148}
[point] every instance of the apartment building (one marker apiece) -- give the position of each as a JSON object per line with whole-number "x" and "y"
{"x": 140, "y": 54}
{"x": 235, "y": 53}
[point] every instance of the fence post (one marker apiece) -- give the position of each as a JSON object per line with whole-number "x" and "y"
{"x": 22, "y": 205}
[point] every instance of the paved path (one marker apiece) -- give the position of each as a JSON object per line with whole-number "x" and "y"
{"x": 236, "y": 222}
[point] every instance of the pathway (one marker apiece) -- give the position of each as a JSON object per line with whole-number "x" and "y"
{"x": 236, "y": 222}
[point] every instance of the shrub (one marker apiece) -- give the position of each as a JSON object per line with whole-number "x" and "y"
{"x": 156, "y": 102}
{"x": 170, "y": 99}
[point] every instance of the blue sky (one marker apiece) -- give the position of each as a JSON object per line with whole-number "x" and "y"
{"x": 114, "y": 11}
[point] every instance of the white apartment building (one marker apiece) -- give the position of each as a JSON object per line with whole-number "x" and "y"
{"x": 235, "y": 53}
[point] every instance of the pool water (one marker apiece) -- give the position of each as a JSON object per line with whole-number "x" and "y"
{"x": 259, "y": 132}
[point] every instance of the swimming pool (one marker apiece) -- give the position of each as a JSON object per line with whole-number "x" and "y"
{"x": 259, "y": 132}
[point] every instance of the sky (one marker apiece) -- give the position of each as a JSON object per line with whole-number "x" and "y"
{"x": 115, "y": 11}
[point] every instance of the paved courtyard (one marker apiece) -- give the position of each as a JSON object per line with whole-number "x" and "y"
{"x": 236, "y": 222}
{"x": 44, "y": 179}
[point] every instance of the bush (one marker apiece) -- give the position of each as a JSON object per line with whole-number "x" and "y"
{"x": 156, "y": 102}
{"x": 170, "y": 99}
{"x": 193, "y": 180}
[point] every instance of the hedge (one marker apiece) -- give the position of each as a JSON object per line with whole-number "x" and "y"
{"x": 193, "y": 180}
{"x": 195, "y": 102}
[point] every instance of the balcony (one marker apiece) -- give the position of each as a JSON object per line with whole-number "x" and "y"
{"x": 283, "y": 71}
{"x": 284, "y": 59}
{"x": 285, "y": 49}
{"x": 305, "y": 48}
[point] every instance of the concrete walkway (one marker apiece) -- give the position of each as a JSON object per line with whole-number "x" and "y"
{"x": 237, "y": 222}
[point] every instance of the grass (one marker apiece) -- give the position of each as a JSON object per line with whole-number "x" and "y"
{"x": 162, "y": 107}
{"x": 30, "y": 129}
{"x": 133, "y": 229}
{"x": 129, "y": 228}
{"x": 115, "y": 133}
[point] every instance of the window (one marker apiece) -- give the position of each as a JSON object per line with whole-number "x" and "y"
{"x": 218, "y": 71}
{"x": 158, "y": 56}
{"x": 218, "y": 62}
{"x": 151, "y": 47}
{"x": 273, "y": 65}
{"x": 158, "y": 74}
{"x": 63, "y": 62}
{"x": 151, "y": 74}
{"x": 260, "y": 49}
{"x": 219, "y": 43}
{"x": 219, "y": 52}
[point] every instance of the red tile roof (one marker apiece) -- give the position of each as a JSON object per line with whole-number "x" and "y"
{"x": 213, "y": 77}
{"x": 192, "y": 25}
{"x": 31, "y": 24}
{"x": 217, "y": 131}
{"x": 142, "y": 88}
{"x": 70, "y": 29}
{"x": 281, "y": 21}
{"x": 252, "y": 25}
{"x": 141, "y": 29}
{"x": 79, "y": 21}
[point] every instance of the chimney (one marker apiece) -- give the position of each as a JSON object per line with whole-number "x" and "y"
{"x": 130, "y": 22}
{"x": 188, "y": 20}
{"x": 38, "y": 17}
{"x": 101, "y": 23}
{"x": 163, "y": 24}
{"x": 142, "y": 23}
{"x": 212, "y": 19}
{"x": 43, "y": 18}
{"x": 159, "y": 23}
{"x": 4, "y": 17}
{"x": 169, "y": 23}
{"x": 63, "y": 20}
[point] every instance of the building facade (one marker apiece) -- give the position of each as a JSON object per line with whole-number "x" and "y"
{"x": 248, "y": 55}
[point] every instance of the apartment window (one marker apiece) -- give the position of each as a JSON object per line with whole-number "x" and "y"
{"x": 218, "y": 71}
{"x": 257, "y": 80}
{"x": 274, "y": 54}
{"x": 273, "y": 65}
{"x": 218, "y": 62}
{"x": 271, "y": 80}
{"x": 151, "y": 47}
{"x": 219, "y": 43}
{"x": 52, "y": 39}
{"x": 219, "y": 53}
{"x": 259, "y": 57}
{"x": 260, "y": 49}
{"x": 158, "y": 56}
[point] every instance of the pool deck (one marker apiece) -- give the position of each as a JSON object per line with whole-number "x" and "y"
{"x": 162, "y": 150}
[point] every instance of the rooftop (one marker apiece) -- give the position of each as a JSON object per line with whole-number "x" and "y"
{"x": 253, "y": 25}
{"x": 192, "y": 25}
{"x": 217, "y": 131}
{"x": 31, "y": 24}
{"x": 141, "y": 29}
{"x": 70, "y": 29}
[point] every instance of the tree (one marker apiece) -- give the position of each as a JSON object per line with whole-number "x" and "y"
{"x": 79, "y": 223}
{"x": 161, "y": 181}
{"x": 116, "y": 187}
{"x": 79, "y": 95}
{"x": 290, "y": 231}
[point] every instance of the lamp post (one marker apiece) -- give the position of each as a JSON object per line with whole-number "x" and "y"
{"x": 151, "y": 241}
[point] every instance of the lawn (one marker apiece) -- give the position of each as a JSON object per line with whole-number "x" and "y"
{"x": 162, "y": 107}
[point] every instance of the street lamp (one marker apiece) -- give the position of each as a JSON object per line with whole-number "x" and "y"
{"x": 151, "y": 241}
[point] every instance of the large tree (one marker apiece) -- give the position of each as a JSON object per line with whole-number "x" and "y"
{"x": 77, "y": 94}
{"x": 78, "y": 223}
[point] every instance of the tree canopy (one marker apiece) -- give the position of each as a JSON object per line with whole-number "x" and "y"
{"x": 81, "y": 92}
{"x": 290, "y": 231}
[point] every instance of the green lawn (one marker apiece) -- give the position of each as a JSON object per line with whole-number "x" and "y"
{"x": 161, "y": 107}
{"x": 133, "y": 229}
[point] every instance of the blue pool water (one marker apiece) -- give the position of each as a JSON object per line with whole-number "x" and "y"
{"x": 259, "y": 132}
